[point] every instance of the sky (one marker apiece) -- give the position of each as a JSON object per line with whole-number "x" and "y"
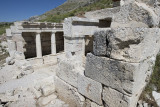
{"x": 17, "y": 10}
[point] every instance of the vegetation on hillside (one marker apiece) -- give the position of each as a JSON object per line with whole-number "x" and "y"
{"x": 3, "y": 52}
{"x": 58, "y": 17}
{"x": 154, "y": 84}
{"x": 3, "y": 27}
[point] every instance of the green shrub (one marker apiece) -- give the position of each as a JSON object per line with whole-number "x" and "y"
{"x": 3, "y": 27}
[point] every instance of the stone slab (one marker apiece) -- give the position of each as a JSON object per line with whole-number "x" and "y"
{"x": 67, "y": 71}
{"x": 90, "y": 88}
{"x": 68, "y": 94}
{"x": 116, "y": 74}
{"x": 8, "y": 32}
{"x": 50, "y": 59}
{"x": 113, "y": 98}
{"x": 101, "y": 42}
{"x": 35, "y": 61}
{"x": 20, "y": 45}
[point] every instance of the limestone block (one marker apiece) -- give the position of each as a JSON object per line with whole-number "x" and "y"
{"x": 17, "y": 37}
{"x": 90, "y": 88}
{"x": 95, "y": 105}
{"x": 35, "y": 92}
{"x": 133, "y": 44}
{"x": 140, "y": 13}
{"x": 45, "y": 100}
{"x": 20, "y": 46}
{"x": 113, "y": 98}
{"x": 76, "y": 27}
{"x": 73, "y": 41}
{"x": 48, "y": 89}
{"x": 73, "y": 47}
{"x": 10, "y": 60}
{"x": 151, "y": 3}
{"x": 23, "y": 64}
{"x": 100, "y": 43}
{"x": 69, "y": 94}
{"x": 116, "y": 74}
{"x": 19, "y": 55}
{"x": 8, "y": 32}
{"x": 11, "y": 46}
{"x": 50, "y": 59}
{"x": 67, "y": 72}
{"x": 103, "y": 13}
{"x": 35, "y": 61}
{"x": 46, "y": 86}
{"x": 126, "y": 78}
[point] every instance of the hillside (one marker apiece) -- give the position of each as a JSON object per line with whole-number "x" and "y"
{"x": 3, "y": 43}
{"x": 72, "y": 8}
{"x": 3, "y": 26}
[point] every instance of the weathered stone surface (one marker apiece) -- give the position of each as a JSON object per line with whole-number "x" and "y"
{"x": 23, "y": 65}
{"x": 50, "y": 59}
{"x": 68, "y": 94}
{"x": 49, "y": 89}
{"x": 113, "y": 98}
{"x": 141, "y": 14}
{"x": 36, "y": 61}
{"x": 19, "y": 45}
{"x": 95, "y": 105}
{"x": 103, "y": 13}
{"x": 117, "y": 74}
{"x": 19, "y": 55}
{"x": 46, "y": 87}
{"x": 35, "y": 92}
{"x": 45, "y": 100}
{"x": 11, "y": 46}
{"x": 132, "y": 44}
{"x": 127, "y": 78}
{"x": 10, "y": 61}
{"x": 156, "y": 97}
{"x": 73, "y": 26}
{"x": 90, "y": 88}
{"x": 100, "y": 43}
{"x": 67, "y": 72}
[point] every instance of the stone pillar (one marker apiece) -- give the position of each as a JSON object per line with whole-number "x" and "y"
{"x": 53, "y": 43}
{"x": 38, "y": 45}
{"x": 11, "y": 47}
{"x": 20, "y": 46}
{"x": 17, "y": 37}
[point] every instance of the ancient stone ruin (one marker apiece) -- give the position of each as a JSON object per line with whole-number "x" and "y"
{"x": 102, "y": 60}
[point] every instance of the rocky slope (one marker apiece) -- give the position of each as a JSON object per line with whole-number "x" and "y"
{"x": 72, "y": 8}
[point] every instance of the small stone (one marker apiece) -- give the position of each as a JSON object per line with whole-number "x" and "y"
{"x": 10, "y": 61}
{"x": 47, "y": 90}
{"x": 45, "y": 100}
